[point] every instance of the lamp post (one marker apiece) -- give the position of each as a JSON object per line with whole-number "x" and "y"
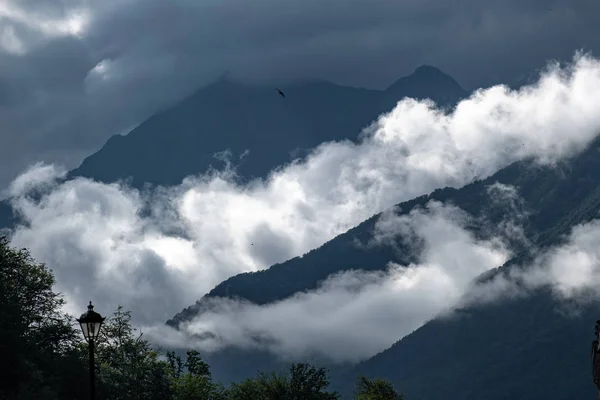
{"x": 90, "y": 323}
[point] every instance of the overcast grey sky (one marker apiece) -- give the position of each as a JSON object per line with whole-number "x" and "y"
{"x": 74, "y": 72}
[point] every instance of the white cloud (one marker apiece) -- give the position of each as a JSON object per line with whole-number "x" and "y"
{"x": 511, "y": 229}
{"x": 157, "y": 252}
{"x": 571, "y": 270}
{"x": 355, "y": 314}
{"x": 44, "y": 21}
{"x": 39, "y": 175}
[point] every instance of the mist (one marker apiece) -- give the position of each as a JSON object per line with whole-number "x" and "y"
{"x": 158, "y": 251}
{"x": 571, "y": 270}
{"x": 355, "y": 314}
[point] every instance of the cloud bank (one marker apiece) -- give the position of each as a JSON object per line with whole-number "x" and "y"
{"x": 158, "y": 251}
{"x": 571, "y": 270}
{"x": 355, "y": 314}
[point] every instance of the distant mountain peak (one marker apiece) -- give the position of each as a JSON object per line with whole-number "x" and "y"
{"x": 315, "y": 111}
{"x": 428, "y": 70}
{"x": 426, "y": 82}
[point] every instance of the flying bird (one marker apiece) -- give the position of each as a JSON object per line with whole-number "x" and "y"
{"x": 281, "y": 93}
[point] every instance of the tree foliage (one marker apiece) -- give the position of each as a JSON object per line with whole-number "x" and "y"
{"x": 303, "y": 382}
{"x": 192, "y": 379}
{"x": 128, "y": 367}
{"x": 37, "y": 340}
{"x": 375, "y": 389}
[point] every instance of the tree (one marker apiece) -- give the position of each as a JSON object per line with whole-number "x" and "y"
{"x": 304, "y": 382}
{"x": 36, "y": 337}
{"x": 309, "y": 383}
{"x": 250, "y": 389}
{"x": 128, "y": 367}
{"x": 192, "y": 379}
{"x": 266, "y": 386}
{"x": 375, "y": 389}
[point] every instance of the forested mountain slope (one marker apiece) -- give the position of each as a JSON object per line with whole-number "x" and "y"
{"x": 556, "y": 197}
{"x": 531, "y": 347}
{"x": 528, "y": 348}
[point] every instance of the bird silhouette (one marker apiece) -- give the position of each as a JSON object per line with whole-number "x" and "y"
{"x": 281, "y": 93}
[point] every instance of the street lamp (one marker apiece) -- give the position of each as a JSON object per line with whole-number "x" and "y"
{"x": 90, "y": 323}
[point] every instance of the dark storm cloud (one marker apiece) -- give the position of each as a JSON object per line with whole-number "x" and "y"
{"x": 73, "y": 73}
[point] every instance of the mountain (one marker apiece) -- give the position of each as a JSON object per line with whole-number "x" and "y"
{"x": 183, "y": 139}
{"x": 527, "y": 348}
{"x": 518, "y": 349}
{"x": 557, "y": 198}
{"x": 229, "y": 116}
{"x": 425, "y": 82}
{"x": 472, "y": 356}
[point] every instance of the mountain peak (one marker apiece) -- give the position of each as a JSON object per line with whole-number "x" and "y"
{"x": 426, "y": 82}
{"x": 428, "y": 70}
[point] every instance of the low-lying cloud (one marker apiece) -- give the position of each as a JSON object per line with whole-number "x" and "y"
{"x": 570, "y": 269}
{"x": 158, "y": 251}
{"x": 355, "y": 314}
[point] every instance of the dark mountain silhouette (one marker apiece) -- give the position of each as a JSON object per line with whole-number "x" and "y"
{"x": 231, "y": 116}
{"x": 526, "y": 349}
{"x": 183, "y": 139}
{"x": 228, "y": 116}
{"x": 477, "y": 355}
{"x": 425, "y": 82}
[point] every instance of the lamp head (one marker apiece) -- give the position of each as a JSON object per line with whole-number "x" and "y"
{"x": 90, "y": 323}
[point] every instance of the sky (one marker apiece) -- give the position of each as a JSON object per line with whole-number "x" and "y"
{"x": 75, "y": 72}
{"x": 101, "y": 247}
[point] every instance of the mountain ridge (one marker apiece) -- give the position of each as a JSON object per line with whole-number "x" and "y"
{"x": 142, "y": 155}
{"x": 312, "y": 113}
{"x": 559, "y": 197}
